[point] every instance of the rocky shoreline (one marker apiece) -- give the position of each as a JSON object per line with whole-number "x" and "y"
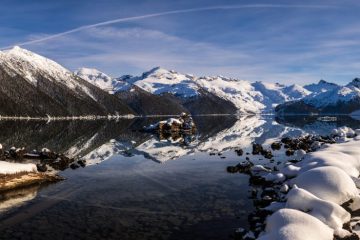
{"x": 20, "y": 168}
{"x": 313, "y": 194}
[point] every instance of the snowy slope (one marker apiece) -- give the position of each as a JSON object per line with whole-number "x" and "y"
{"x": 159, "y": 80}
{"x": 32, "y": 66}
{"x": 241, "y": 93}
{"x": 246, "y": 96}
{"x": 275, "y": 93}
{"x": 335, "y": 95}
{"x": 336, "y": 99}
{"x": 339, "y": 94}
{"x": 102, "y": 80}
{"x": 321, "y": 86}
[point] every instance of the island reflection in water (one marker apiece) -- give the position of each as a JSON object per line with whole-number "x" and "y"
{"x": 125, "y": 193}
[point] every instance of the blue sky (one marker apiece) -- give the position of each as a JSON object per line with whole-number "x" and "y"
{"x": 275, "y": 41}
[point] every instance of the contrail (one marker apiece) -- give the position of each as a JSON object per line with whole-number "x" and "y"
{"x": 189, "y": 10}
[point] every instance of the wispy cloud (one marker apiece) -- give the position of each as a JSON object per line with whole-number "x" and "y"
{"x": 152, "y": 15}
{"x": 132, "y": 50}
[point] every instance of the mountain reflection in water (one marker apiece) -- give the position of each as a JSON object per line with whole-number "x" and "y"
{"x": 129, "y": 195}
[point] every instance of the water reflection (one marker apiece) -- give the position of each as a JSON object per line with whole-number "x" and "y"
{"x": 130, "y": 195}
{"x": 97, "y": 141}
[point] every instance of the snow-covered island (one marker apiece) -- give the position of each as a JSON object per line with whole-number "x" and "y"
{"x": 314, "y": 195}
{"x": 184, "y": 123}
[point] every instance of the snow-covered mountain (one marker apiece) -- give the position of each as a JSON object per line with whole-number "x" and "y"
{"x": 159, "y": 81}
{"x": 320, "y": 87}
{"x": 247, "y": 97}
{"x": 102, "y": 80}
{"x": 33, "y": 85}
{"x": 194, "y": 93}
{"x": 333, "y": 99}
{"x": 47, "y": 88}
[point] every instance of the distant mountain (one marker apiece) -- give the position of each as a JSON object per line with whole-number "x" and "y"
{"x": 141, "y": 101}
{"x": 335, "y": 100}
{"x": 321, "y": 86}
{"x": 220, "y": 94}
{"x": 184, "y": 89}
{"x": 145, "y": 103}
{"x": 275, "y": 93}
{"x": 162, "y": 91}
{"x": 101, "y": 80}
{"x": 32, "y": 85}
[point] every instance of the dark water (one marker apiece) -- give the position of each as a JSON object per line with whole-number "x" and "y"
{"x": 141, "y": 186}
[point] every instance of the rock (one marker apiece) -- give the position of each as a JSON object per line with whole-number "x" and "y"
{"x": 239, "y": 152}
{"x": 74, "y": 166}
{"x": 267, "y": 154}
{"x": 353, "y": 236}
{"x": 184, "y": 123}
{"x": 232, "y": 169}
{"x": 82, "y": 163}
{"x": 41, "y": 167}
{"x": 257, "y": 148}
{"x": 286, "y": 140}
{"x": 276, "y": 145}
{"x": 289, "y": 152}
{"x": 284, "y": 188}
{"x": 300, "y": 154}
{"x": 16, "y": 153}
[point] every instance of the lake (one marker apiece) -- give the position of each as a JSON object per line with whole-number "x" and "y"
{"x": 138, "y": 185}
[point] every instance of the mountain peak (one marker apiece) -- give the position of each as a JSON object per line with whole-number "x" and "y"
{"x": 355, "y": 82}
{"x": 92, "y": 74}
{"x": 156, "y": 70}
{"x": 16, "y": 50}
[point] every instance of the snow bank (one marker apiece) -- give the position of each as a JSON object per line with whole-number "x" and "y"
{"x": 328, "y": 212}
{"x": 321, "y": 182}
{"x": 12, "y": 168}
{"x": 290, "y": 224}
{"x": 328, "y": 183}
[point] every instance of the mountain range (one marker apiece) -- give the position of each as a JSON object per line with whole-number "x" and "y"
{"x": 330, "y": 99}
{"x": 35, "y": 86}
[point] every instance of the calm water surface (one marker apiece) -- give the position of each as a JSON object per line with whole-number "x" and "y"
{"x": 142, "y": 186}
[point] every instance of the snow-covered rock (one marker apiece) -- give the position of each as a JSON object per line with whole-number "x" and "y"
{"x": 291, "y": 224}
{"x": 328, "y": 212}
{"x": 321, "y": 183}
{"x": 328, "y": 183}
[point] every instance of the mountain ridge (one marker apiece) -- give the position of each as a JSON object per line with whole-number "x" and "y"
{"x": 34, "y": 86}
